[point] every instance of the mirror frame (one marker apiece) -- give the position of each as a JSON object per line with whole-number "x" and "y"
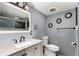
{"x": 24, "y": 11}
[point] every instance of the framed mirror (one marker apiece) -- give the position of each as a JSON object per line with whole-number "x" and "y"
{"x": 68, "y": 15}
{"x": 15, "y": 19}
{"x": 59, "y": 20}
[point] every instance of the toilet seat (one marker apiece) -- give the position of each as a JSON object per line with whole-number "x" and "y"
{"x": 53, "y": 47}
{"x": 49, "y": 49}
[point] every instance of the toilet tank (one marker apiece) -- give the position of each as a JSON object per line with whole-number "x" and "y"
{"x": 45, "y": 40}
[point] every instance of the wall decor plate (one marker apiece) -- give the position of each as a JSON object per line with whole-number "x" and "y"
{"x": 59, "y": 20}
{"x": 68, "y": 15}
{"x": 50, "y": 25}
{"x": 35, "y": 26}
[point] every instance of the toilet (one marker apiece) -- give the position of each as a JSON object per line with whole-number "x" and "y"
{"x": 49, "y": 49}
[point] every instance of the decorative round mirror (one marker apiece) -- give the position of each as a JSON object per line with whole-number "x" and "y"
{"x": 59, "y": 20}
{"x": 68, "y": 15}
{"x": 35, "y": 26}
{"x": 50, "y": 25}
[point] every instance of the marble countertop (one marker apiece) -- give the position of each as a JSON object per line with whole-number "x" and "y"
{"x": 7, "y": 49}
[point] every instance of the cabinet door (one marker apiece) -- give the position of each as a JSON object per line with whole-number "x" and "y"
{"x": 20, "y": 53}
{"x": 29, "y": 51}
{"x": 38, "y": 49}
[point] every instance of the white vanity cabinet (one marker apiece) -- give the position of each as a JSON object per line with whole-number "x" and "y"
{"x": 20, "y": 53}
{"x": 35, "y": 50}
{"x": 38, "y": 50}
{"x": 29, "y": 51}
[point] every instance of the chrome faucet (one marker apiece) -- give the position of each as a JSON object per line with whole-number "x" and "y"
{"x": 22, "y": 38}
{"x": 15, "y": 41}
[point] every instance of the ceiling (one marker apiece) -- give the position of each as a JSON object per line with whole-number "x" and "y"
{"x": 59, "y": 6}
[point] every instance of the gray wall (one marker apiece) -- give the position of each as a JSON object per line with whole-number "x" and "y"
{"x": 7, "y": 38}
{"x": 37, "y": 18}
{"x": 62, "y": 38}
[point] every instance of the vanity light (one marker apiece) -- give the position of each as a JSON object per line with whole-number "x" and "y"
{"x": 20, "y": 4}
{"x": 23, "y": 5}
{"x": 26, "y": 7}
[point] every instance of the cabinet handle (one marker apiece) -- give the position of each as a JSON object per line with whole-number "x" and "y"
{"x": 36, "y": 48}
{"x": 24, "y": 54}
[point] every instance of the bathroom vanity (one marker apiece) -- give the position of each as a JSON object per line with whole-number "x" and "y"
{"x": 32, "y": 49}
{"x": 17, "y": 20}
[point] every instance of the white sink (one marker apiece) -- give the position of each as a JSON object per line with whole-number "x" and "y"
{"x": 19, "y": 45}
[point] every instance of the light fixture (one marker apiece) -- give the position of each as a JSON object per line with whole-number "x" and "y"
{"x": 52, "y": 9}
{"x": 26, "y": 7}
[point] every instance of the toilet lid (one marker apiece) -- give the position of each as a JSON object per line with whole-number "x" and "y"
{"x": 52, "y": 47}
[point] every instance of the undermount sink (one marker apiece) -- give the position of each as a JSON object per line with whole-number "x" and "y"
{"x": 19, "y": 45}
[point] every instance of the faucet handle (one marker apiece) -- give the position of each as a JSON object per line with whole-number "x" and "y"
{"x": 22, "y": 38}
{"x": 15, "y": 41}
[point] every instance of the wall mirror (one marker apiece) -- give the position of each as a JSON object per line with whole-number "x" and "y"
{"x": 14, "y": 18}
